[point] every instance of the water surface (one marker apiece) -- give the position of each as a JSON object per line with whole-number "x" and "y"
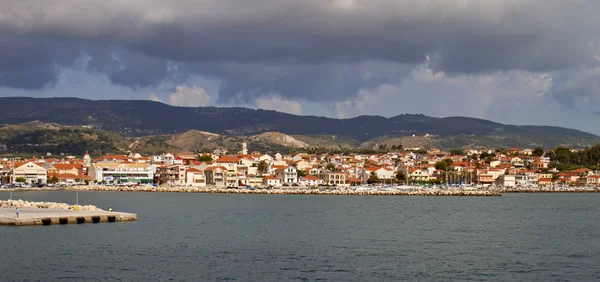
{"x": 517, "y": 237}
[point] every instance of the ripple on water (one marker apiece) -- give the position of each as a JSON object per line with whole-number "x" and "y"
{"x": 284, "y": 237}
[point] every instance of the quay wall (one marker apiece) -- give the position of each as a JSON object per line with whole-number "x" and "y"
{"x": 290, "y": 191}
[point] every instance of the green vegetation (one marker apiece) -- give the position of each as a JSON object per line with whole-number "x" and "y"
{"x": 563, "y": 158}
{"x": 457, "y": 152}
{"x": 373, "y": 178}
{"x": 63, "y": 141}
{"x": 401, "y": 175}
{"x": 139, "y": 118}
{"x": 263, "y": 167}
{"x": 443, "y": 164}
{"x": 53, "y": 180}
{"x": 20, "y": 179}
{"x": 205, "y": 158}
{"x": 538, "y": 151}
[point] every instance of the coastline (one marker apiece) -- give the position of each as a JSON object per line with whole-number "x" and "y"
{"x": 515, "y": 191}
{"x": 302, "y": 191}
{"x": 290, "y": 191}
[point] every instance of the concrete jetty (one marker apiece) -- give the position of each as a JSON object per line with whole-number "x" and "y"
{"x": 37, "y": 216}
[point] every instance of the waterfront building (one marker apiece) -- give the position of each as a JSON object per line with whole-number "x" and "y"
{"x": 69, "y": 178}
{"x": 121, "y": 172}
{"x": 31, "y": 172}
{"x": 418, "y": 175}
{"x": 507, "y": 180}
{"x": 230, "y": 163}
{"x": 485, "y": 179}
{"x": 288, "y": 175}
{"x": 74, "y": 169}
{"x": 172, "y": 175}
{"x": 271, "y": 180}
{"x": 215, "y": 175}
{"x": 590, "y": 180}
{"x": 231, "y": 178}
{"x": 333, "y": 178}
{"x": 311, "y": 180}
{"x": 526, "y": 178}
{"x": 195, "y": 177}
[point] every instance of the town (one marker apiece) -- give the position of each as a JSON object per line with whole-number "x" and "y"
{"x": 509, "y": 169}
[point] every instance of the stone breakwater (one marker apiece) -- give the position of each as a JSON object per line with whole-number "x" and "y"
{"x": 291, "y": 191}
{"x": 549, "y": 191}
{"x": 45, "y": 205}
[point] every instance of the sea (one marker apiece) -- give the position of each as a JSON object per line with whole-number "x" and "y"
{"x": 232, "y": 237}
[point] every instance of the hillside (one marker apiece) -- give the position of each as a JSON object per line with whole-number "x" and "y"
{"x": 38, "y": 138}
{"x": 142, "y": 118}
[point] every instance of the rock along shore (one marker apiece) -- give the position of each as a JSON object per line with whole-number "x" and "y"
{"x": 290, "y": 191}
{"x": 45, "y": 205}
{"x": 549, "y": 191}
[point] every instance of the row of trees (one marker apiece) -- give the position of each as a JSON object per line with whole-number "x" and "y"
{"x": 563, "y": 158}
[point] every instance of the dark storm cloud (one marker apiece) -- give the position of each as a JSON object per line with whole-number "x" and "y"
{"x": 579, "y": 89}
{"x": 316, "y": 31}
{"x": 312, "y": 49}
{"x": 127, "y": 68}
{"x": 32, "y": 64}
{"x": 321, "y": 82}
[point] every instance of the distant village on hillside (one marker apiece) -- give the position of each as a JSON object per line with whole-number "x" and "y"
{"x": 498, "y": 167}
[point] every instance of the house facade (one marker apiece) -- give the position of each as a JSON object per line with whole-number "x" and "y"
{"x": 195, "y": 177}
{"x": 31, "y": 172}
{"x": 288, "y": 175}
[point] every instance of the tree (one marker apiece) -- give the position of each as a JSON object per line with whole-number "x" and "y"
{"x": 301, "y": 173}
{"x": 20, "y": 179}
{"x": 562, "y": 155}
{"x": 485, "y": 155}
{"x": 401, "y": 175}
{"x": 488, "y": 159}
{"x": 263, "y": 167}
{"x": 205, "y": 158}
{"x": 53, "y": 179}
{"x": 538, "y": 152}
{"x": 443, "y": 164}
{"x": 373, "y": 178}
{"x": 457, "y": 152}
{"x": 331, "y": 167}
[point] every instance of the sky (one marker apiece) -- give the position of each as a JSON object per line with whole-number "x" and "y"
{"x": 511, "y": 61}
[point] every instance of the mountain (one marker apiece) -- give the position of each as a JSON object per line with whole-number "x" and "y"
{"x": 139, "y": 118}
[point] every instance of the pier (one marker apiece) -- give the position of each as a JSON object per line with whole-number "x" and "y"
{"x": 36, "y": 216}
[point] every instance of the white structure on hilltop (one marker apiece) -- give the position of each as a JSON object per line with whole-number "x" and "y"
{"x": 244, "y": 148}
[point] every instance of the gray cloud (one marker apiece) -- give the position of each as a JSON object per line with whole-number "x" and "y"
{"x": 502, "y": 34}
{"x": 579, "y": 89}
{"x": 32, "y": 64}
{"x": 316, "y": 82}
{"x": 313, "y": 50}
